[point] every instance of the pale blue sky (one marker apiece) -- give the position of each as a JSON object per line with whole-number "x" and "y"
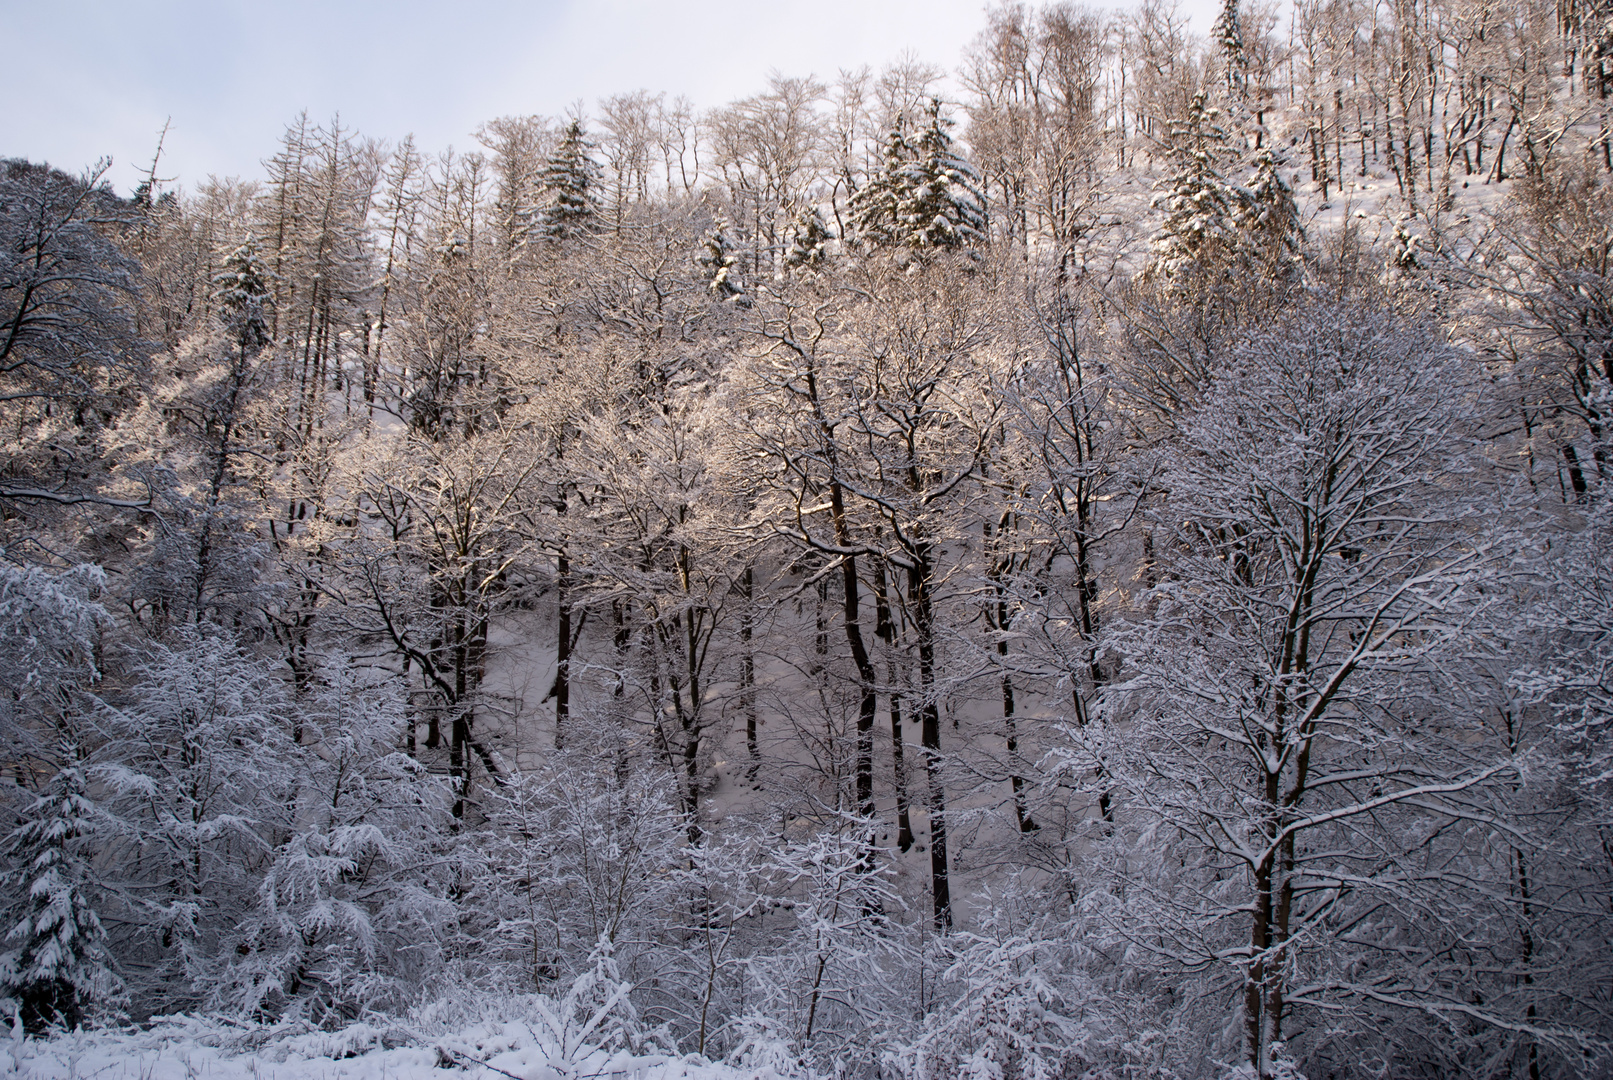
{"x": 93, "y": 77}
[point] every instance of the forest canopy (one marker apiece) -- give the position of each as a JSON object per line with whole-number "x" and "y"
{"x": 1100, "y": 565}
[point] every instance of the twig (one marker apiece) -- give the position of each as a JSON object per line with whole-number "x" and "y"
{"x": 456, "y": 1055}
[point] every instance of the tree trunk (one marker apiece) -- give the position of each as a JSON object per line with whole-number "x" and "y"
{"x": 919, "y": 576}
{"x": 747, "y": 671}
{"x": 562, "y": 663}
{"x": 885, "y": 628}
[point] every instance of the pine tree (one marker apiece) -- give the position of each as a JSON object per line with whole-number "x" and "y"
{"x": 941, "y": 205}
{"x": 57, "y": 965}
{"x": 1268, "y": 217}
{"x": 570, "y": 186}
{"x": 1228, "y": 34}
{"x": 241, "y": 290}
{"x": 875, "y": 207}
{"x": 1200, "y": 205}
{"x": 809, "y": 239}
{"x": 925, "y": 197}
{"x": 720, "y": 262}
{"x": 1212, "y": 225}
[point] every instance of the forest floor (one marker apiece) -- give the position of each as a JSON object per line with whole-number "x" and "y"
{"x": 199, "y": 1050}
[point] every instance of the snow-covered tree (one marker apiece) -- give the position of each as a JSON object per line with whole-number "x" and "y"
{"x": 1547, "y": 281}
{"x": 809, "y": 239}
{"x": 720, "y": 261}
{"x": 1009, "y": 1016}
{"x": 873, "y": 208}
{"x": 581, "y": 855}
{"x": 55, "y": 964}
{"x": 1227, "y": 33}
{"x": 1200, "y": 205}
{"x": 1213, "y": 227}
{"x": 861, "y": 427}
{"x": 242, "y": 292}
{"x": 925, "y": 195}
{"x": 200, "y": 774}
{"x": 1268, "y": 216}
{"x": 450, "y": 527}
{"x": 940, "y": 206}
{"x": 208, "y": 425}
{"x": 1284, "y": 720}
{"x": 822, "y": 975}
{"x": 1579, "y": 681}
{"x": 66, "y": 318}
{"x": 352, "y": 908}
{"x": 662, "y": 551}
{"x": 71, "y": 358}
{"x": 516, "y": 145}
{"x": 50, "y": 631}
{"x": 311, "y": 218}
{"x": 570, "y": 186}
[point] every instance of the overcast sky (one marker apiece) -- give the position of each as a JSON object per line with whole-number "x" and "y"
{"x": 95, "y": 77}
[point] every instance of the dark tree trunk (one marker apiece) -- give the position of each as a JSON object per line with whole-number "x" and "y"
{"x": 885, "y": 628}
{"x": 919, "y": 576}
{"x": 747, "y": 671}
{"x": 562, "y": 664}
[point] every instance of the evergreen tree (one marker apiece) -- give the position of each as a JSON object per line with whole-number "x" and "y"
{"x": 720, "y": 262}
{"x": 875, "y": 207}
{"x": 57, "y": 964}
{"x": 1212, "y": 225}
{"x": 1228, "y": 34}
{"x": 809, "y": 239}
{"x": 1200, "y": 205}
{"x": 941, "y": 205}
{"x": 925, "y": 197}
{"x": 1268, "y": 217}
{"x": 241, "y": 290}
{"x": 570, "y": 185}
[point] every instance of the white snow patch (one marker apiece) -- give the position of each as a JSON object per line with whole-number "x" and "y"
{"x": 195, "y": 1050}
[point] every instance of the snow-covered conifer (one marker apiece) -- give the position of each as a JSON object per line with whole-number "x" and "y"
{"x": 570, "y": 186}
{"x": 1268, "y": 215}
{"x": 875, "y": 207}
{"x": 55, "y": 964}
{"x": 1228, "y": 35}
{"x": 721, "y": 262}
{"x": 925, "y": 196}
{"x": 809, "y": 239}
{"x": 241, "y": 290}
{"x": 1200, "y": 205}
{"x": 940, "y": 205}
{"x": 1214, "y": 227}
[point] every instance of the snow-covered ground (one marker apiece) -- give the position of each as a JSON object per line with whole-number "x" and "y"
{"x": 589, "y": 1032}
{"x": 193, "y": 1050}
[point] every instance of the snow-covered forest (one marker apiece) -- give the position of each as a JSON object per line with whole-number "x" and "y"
{"x": 1092, "y": 562}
